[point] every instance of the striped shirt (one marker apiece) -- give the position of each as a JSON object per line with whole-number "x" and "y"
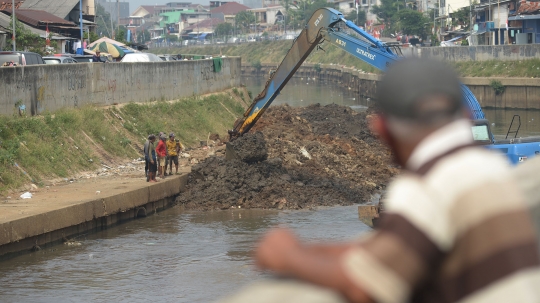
{"x": 456, "y": 230}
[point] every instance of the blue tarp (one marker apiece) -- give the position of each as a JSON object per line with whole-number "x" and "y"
{"x": 202, "y": 36}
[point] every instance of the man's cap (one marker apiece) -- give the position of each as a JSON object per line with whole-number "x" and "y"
{"x": 171, "y": 135}
{"x": 152, "y": 136}
{"x": 408, "y": 82}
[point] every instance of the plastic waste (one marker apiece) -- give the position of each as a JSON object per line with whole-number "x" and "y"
{"x": 26, "y": 195}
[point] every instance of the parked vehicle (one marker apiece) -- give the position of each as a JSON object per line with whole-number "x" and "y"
{"x": 251, "y": 39}
{"x": 233, "y": 40}
{"x": 58, "y": 60}
{"x": 141, "y": 57}
{"x": 21, "y": 58}
{"x": 219, "y": 41}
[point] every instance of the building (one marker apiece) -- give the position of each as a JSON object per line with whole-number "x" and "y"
{"x": 506, "y": 22}
{"x": 62, "y": 18}
{"x": 267, "y": 17}
{"x": 227, "y": 12}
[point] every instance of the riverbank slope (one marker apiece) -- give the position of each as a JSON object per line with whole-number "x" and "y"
{"x": 77, "y": 143}
{"x": 273, "y": 52}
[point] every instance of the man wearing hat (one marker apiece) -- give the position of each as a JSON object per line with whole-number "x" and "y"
{"x": 97, "y": 57}
{"x": 455, "y": 229}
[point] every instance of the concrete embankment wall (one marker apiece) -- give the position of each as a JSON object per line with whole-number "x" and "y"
{"x": 51, "y": 87}
{"x": 476, "y": 53}
{"x": 520, "y": 93}
{"x": 84, "y": 214}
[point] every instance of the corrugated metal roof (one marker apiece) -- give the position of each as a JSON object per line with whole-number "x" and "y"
{"x": 36, "y": 18}
{"x": 5, "y": 22}
{"x": 528, "y": 7}
{"x": 205, "y": 23}
{"x": 59, "y": 8}
{"x": 231, "y": 8}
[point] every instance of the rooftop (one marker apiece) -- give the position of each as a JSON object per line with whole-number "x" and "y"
{"x": 231, "y": 8}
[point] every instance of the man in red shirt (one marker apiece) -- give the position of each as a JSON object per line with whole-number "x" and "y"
{"x": 161, "y": 151}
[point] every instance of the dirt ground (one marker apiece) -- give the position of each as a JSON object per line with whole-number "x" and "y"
{"x": 295, "y": 158}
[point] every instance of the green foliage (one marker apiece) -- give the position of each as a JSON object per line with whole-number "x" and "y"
{"x": 497, "y": 86}
{"x": 257, "y": 65}
{"x": 359, "y": 19}
{"x": 143, "y": 36}
{"x": 91, "y": 36}
{"x": 103, "y": 20}
{"x": 26, "y": 40}
{"x": 172, "y": 38}
{"x": 412, "y": 22}
{"x": 73, "y": 140}
{"x": 121, "y": 34}
{"x": 244, "y": 19}
{"x": 223, "y": 30}
{"x": 317, "y": 67}
{"x": 524, "y": 68}
{"x": 461, "y": 17}
{"x": 386, "y": 11}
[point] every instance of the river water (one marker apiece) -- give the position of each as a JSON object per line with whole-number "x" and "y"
{"x": 305, "y": 91}
{"x": 178, "y": 256}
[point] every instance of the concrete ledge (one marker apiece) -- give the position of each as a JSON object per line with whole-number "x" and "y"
{"x": 46, "y": 223}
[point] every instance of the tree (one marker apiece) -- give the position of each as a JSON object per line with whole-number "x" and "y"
{"x": 121, "y": 34}
{"x": 386, "y": 11}
{"x": 223, "y": 29}
{"x": 412, "y": 22}
{"x": 26, "y": 40}
{"x": 461, "y": 17}
{"x": 244, "y": 19}
{"x": 91, "y": 36}
{"x": 103, "y": 20}
{"x": 352, "y": 16}
{"x": 143, "y": 36}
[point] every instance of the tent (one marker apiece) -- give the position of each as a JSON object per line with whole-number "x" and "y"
{"x": 105, "y": 39}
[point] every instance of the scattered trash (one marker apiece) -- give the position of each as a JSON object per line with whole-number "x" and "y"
{"x": 305, "y": 153}
{"x": 98, "y": 192}
{"x": 26, "y": 195}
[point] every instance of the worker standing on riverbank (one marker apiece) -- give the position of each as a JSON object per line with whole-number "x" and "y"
{"x": 161, "y": 151}
{"x": 456, "y": 228}
{"x": 173, "y": 149}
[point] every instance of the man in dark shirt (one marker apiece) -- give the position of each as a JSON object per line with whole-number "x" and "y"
{"x": 96, "y": 57}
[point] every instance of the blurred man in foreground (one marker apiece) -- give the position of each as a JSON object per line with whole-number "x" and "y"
{"x": 456, "y": 227}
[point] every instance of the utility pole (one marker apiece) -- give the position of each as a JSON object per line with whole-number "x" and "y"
{"x": 81, "y": 26}
{"x": 13, "y": 17}
{"x": 117, "y": 16}
{"x": 470, "y": 15}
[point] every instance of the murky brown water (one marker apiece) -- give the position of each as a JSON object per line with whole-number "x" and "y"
{"x": 172, "y": 256}
{"x": 307, "y": 91}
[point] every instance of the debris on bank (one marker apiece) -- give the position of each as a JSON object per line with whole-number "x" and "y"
{"x": 295, "y": 158}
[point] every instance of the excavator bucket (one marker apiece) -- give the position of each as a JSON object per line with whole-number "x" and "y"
{"x": 230, "y": 153}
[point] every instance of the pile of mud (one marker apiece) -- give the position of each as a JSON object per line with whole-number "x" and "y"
{"x": 302, "y": 158}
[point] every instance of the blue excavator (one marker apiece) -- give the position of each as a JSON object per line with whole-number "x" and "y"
{"x": 329, "y": 25}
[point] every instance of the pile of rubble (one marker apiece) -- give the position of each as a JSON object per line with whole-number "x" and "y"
{"x": 295, "y": 158}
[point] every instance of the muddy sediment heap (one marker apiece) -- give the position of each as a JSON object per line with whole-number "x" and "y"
{"x": 295, "y": 158}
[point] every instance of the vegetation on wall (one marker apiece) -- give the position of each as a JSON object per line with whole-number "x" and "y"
{"x": 73, "y": 140}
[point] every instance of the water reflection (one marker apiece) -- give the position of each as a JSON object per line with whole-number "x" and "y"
{"x": 171, "y": 256}
{"x": 305, "y": 91}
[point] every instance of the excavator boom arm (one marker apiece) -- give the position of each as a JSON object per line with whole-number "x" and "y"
{"x": 322, "y": 27}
